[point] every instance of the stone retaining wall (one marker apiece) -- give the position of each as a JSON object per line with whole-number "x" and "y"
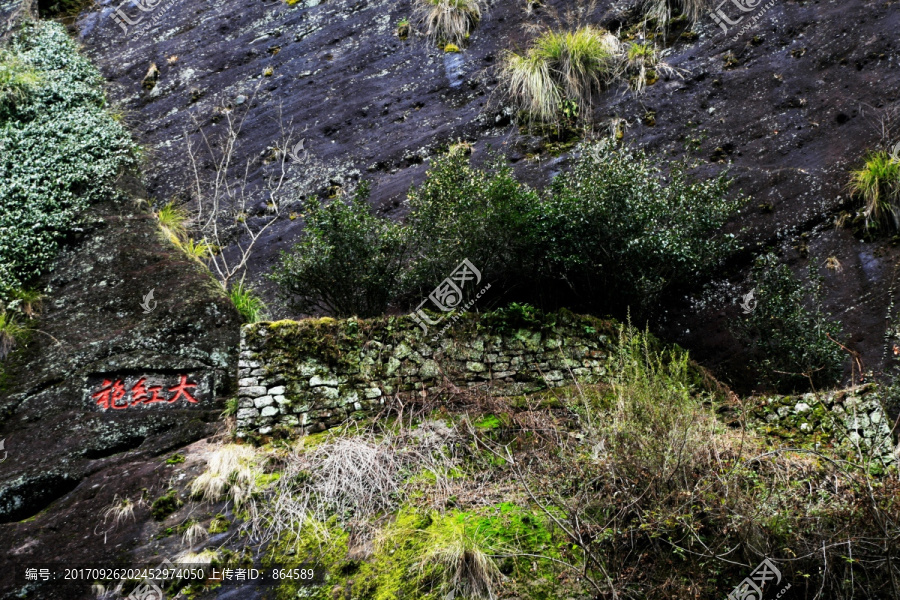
{"x": 316, "y": 373}
{"x": 853, "y": 419}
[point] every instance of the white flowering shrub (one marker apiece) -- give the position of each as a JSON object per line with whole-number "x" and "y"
{"x": 60, "y": 150}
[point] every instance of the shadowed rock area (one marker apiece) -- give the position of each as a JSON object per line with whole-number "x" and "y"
{"x": 68, "y": 459}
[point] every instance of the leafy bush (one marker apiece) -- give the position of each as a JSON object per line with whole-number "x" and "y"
{"x": 613, "y": 229}
{"x": 448, "y": 21}
{"x": 61, "y": 152}
{"x": 347, "y": 263}
{"x": 878, "y": 184}
{"x": 459, "y": 212}
{"x": 793, "y": 341}
{"x": 611, "y": 232}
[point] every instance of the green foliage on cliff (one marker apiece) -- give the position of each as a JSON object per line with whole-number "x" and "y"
{"x": 348, "y": 261}
{"x": 60, "y": 150}
{"x": 794, "y": 342}
{"x": 614, "y": 231}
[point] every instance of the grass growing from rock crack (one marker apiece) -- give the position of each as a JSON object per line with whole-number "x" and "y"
{"x": 448, "y": 21}
{"x": 662, "y": 11}
{"x": 561, "y": 65}
{"x": 877, "y": 182}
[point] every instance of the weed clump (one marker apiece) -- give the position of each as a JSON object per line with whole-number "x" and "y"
{"x": 250, "y": 306}
{"x": 561, "y": 66}
{"x": 557, "y": 78}
{"x": 877, "y": 183}
{"x": 663, "y": 11}
{"x": 448, "y": 21}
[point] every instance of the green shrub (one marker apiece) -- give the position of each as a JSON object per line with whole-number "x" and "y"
{"x": 464, "y": 212}
{"x": 793, "y": 341}
{"x": 347, "y": 263}
{"x": 878, "y": 184}
{"x": 610, "y": 233}
{"x": 614, "y": 230}
{"x": 61, "y": 152}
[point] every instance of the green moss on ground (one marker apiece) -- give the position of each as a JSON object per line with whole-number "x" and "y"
{"x": 396, "y": 564}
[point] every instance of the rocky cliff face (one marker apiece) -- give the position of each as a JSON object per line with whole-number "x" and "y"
{"x": 791, "y": 98}
{"x": 68, "y": 456}
{"x": 790, "y": 104}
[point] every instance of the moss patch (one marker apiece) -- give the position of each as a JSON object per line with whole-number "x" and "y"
{"x": 396, "y": 566}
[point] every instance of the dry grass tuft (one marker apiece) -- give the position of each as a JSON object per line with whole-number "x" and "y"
{"x": 448, "y": 21}
{"x": 662, "y": 11}
{"x": 470, "y": 572}
{"x": 194, "y": 534}
{"x": 231, "y": 469}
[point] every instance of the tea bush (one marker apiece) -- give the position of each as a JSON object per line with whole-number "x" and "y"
{"x": 61, "y": 151}
{"x": 793, "y": 341}
{"x": 461, "y": 211}
{"x": 348, "y": 261}
{"x": 609, "y": 234}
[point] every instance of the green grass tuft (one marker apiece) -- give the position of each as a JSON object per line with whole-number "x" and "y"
{"x": 878, "y": 184}
{"x": 11, "y": 333}
{"x": 245, "y": 300}
{"x": 559, "y": 66}
{"x": 448, "y": 21}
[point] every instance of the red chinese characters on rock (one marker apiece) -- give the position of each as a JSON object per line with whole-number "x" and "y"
{"x": 112, "y": 394}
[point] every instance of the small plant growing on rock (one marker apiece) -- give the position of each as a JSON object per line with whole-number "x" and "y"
{"x": 231, "y": 470}
{"x": 193, "y": 534}
{"x": 403, "y": 28}
{"x": 248, "y": 304}
{"x": 165, "y": 505}
{"x": 11, "y": 333}
{"x": 560, "y": 66}
{"x": 449, "y": 21}
{"x": 877, "y": 183}
{"x": 643, "y": 65}
{"x": 663, "y": 11}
